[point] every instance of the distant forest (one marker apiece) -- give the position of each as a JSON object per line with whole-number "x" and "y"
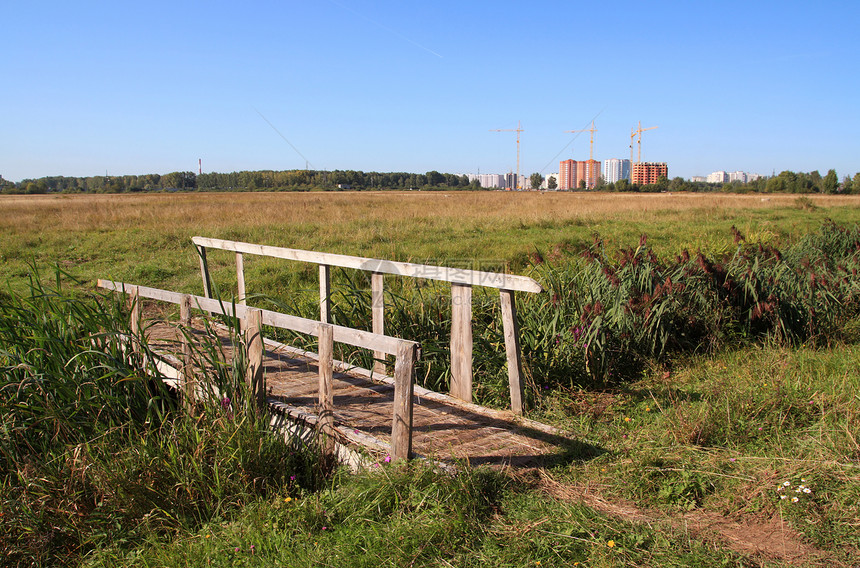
{"x": 315, "y": 180}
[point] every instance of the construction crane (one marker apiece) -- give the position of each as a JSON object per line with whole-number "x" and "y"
{"x": 633, "y": 133}
{"x": 589, "y": 173}
{"x": 518, "y": 129}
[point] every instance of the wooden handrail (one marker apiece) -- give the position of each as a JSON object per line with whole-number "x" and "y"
{"x": 461, "y": 280}
{"x": 406, "y": 352}
{"x": 355, "y": 337}
{"x": 429, "y": 272}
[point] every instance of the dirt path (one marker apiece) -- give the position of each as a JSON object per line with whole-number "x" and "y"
{"x": 762, "y": 540}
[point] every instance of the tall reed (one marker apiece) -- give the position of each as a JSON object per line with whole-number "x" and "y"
{"x": 604, "y": 317}
{"x": 93, "y": 446}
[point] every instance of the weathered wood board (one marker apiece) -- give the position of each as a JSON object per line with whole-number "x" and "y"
{"x": 444, "y": 429}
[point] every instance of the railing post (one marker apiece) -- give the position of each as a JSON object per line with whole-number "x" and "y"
{"x": 512, "y": 347}
{"x": 326, "y": 388}
{"x": 240, "y": 277}
{"x": 325, "y": 293}
{"x": 204, "y": 271}
{"x": 254, "y": 342}
{"x": 401, "y": 427}
{"x": 188, "y": 386}
{"x": 377, "y": 309}
{"x": 134, "y": 306}
{"x": 461, "y": 342}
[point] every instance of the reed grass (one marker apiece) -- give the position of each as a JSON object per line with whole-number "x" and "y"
{"x": 92, "y": 448}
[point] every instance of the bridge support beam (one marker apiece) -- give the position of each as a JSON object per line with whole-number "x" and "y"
{"x": 512, "y": 348}
{"x": 204, "y": 271}
{"x": 461, "y": 342}
{"x": 377, "y": 309}
{"x": 254, "y": 341}
{"x": 188, "y": 386}
{"x": 325, "y": 293}
{"x": 326, "y": 388}
{"x": 240, "y": 278}
{"x": 401, "y": 427}
{"x": 134, "y": 307}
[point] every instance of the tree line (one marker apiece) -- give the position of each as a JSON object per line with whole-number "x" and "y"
{"x": 784, "y": 182}
{"x": 261, "y": 180}
{"x": 306, "y": 180}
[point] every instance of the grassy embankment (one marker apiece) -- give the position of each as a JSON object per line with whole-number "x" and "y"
{"x": 716, "y": 432}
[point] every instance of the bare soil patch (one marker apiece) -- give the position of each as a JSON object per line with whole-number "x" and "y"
{"x": 763, "y": 540}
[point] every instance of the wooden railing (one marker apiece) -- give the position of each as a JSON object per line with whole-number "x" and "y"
{"x": 406, "y": 353}
{"x": 461, "y": 280}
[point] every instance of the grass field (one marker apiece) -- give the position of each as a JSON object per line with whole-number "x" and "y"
{"x": 696, "y": 449}
{"x": 148, "y": 236}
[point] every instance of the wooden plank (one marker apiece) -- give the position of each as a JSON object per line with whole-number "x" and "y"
{"x": 210, "y": 305}
{"x": 461, "y": 342}
{"x": 325, "y": 293}
{"x": 354, "y": 337}
{"x": 401, "y": 426}
{"x": 240, "y": 277}
{"x": 368, "y": 340}
{"x": 326, "y": 388}
{"x": 377, "y": 310}
{"x": 204, "y": 271}
{"x": 189, "y": 387}
{"x": 354, "y": 436}
{"x": 512, "y": 348}
{"x": 442, "y": 273}
{"x": 144, "y": 291}
{"x": 438, "y": 430}
{"x": 254, "y": 341}
{"x": 134, "y": 305}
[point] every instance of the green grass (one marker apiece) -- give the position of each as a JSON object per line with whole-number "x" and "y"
{"x": 398, "y": 516}
{"x": 723, "y": 433}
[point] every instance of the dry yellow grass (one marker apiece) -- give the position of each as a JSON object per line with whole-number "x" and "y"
{"x": 222, "y": 210}
{"x": 148, "y": 236}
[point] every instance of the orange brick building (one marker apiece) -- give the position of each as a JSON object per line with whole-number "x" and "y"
{"x": 647, "y": 173}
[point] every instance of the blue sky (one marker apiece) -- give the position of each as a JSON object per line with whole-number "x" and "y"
{"x": 402, "y": 86}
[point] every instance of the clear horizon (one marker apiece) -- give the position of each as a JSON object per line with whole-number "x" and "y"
{"x": 387, "y": 86}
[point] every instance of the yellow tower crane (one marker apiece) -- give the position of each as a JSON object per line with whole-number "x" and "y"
{"x": 518, "y": 129}
{"x": 589, "y": 174}
{"x": 633, "y": 133}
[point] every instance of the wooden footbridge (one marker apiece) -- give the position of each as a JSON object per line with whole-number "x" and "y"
{"x": 355, "y": 407}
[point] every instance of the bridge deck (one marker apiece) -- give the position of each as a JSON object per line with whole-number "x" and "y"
{"x": 444, "y": 429}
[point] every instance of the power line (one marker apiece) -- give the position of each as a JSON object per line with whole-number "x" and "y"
{"x": 284, "y": 137}
{"x": 572, "y": 140}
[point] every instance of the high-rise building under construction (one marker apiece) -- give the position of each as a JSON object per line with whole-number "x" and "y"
{"x": 647, "y": 173}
